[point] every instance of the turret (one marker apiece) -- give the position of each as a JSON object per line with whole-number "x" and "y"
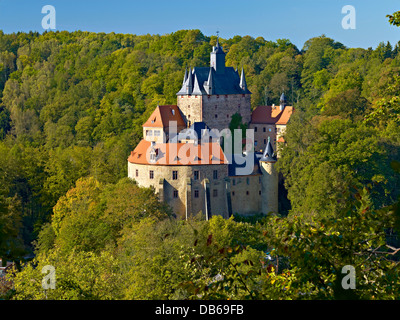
{"x": 209, "y": 85}
{"x": 189, "y": 82}
{"x": 269, "y": 180}
{"x": 243, "y": 84}
{"x": 185, "y": 77}
{"x": 282, "y": 102}
{"x": 217, "y": 59}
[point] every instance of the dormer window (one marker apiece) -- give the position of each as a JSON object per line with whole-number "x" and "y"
{"x": 173, "y": 112}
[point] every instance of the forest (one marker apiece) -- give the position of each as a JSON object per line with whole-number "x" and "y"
{"x": 72, "y": 106}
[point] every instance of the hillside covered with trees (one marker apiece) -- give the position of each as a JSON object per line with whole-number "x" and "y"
{"x": 71, "y": 110}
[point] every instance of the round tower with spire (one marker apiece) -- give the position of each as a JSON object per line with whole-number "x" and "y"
{"x": 269, "y": 181}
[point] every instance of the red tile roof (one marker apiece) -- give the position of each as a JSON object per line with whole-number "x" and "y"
{"x": 271, "y": 115}
{"x": 179, "y": 153}
{"x": 162, "y": 115}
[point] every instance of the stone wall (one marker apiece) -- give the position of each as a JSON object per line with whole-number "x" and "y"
{"x": 269, "y": 187}
{"x": 215, "y": 110}
{"x": 246, "y": 194}
{"x": 218, "y": 109}
{"x": 191, "y": 108}
{"x": 261, "y": 135}
{"x": 190, "y": 192}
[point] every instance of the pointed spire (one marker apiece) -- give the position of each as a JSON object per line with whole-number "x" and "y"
{"x": 269, "y": 154}
{"x": 243, "y": 83}
{"x": 189, "y": 84}
{"x": 210, "y": 82}
{"x": 196, "y": 88}
{"x": 282, "y": 102}
{"x": 185, "y": 77}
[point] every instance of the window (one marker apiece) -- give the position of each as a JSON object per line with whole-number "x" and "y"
{"x": 151, "y": 174}
{"x": 174, "y": 175}
{"x": 247, "y": 193}
{"x": 248, "y": 180}
{"x": 255, "y": 129}
{"x": 196, "y": 175}
{"x": 227, "y": 115}
{"x": 137, "y": 173}
{"x": 215, "y": 174}
{"x": 157, "y": 133}
{"x": 264, "y": 129}
{"x": 265, "y": 141}
{"x": 215, "y": 193}
{"x": 176, "y": 194}
{"x": 149, "y": 133}
{"x": 269, "y": 130}
{"x": 234, "y": 182}
{"x": 255, "y": 143}
{"x": 233, "y": 193}
{"x": 216, "y": 116}
{"x": 196, "y": 193}
{"x": 259, "y": 192}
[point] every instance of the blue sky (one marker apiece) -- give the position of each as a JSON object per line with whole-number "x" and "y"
{"x": 296, "y": 20}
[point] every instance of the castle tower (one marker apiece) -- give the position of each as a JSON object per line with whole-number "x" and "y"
{"x": 269, "y": 181}
{"x": 214, "y": 94}
{"x": 217, "y": 59}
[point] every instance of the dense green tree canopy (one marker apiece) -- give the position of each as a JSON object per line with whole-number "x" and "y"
{"x": 72, "y": 106}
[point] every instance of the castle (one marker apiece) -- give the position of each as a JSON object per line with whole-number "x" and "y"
{"x": 181, "y": 154}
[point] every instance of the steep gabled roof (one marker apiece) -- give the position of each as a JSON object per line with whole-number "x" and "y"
{"x": 271, "y": 115}
{"x": 162, "y": 115}
{"x": 225, "y": 83}
{"x": 178, "y": 153}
